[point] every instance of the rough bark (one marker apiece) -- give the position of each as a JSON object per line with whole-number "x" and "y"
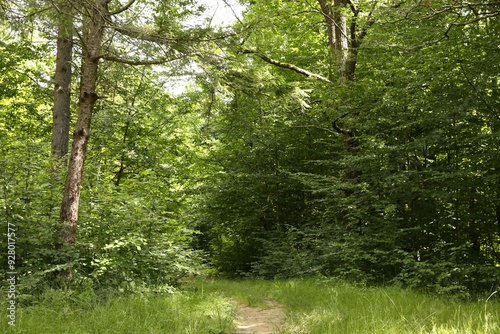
{"x": 326, "y": 10}
{"x": 336, "y": 29}
{"x": 497, "y": 214}
{"x": 93, "y": 29}
{"x": 62, "y": 89}
{"x": 344, "y": 43}
{"x": 96, "y": 17}
{"x": 341, "y": 43}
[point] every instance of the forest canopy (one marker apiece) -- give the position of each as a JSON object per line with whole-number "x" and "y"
{"x": 356, "y": 139}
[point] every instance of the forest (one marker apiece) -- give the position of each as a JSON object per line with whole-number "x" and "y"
{"x": 144, "y": 143}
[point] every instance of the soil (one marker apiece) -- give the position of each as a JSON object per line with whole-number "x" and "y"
{"x": 259, "y": 320}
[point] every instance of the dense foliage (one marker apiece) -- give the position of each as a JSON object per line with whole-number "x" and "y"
{"x": 129, "y": 235}
{"x": 389, "y": 178}
{"x": 269, "y": 163}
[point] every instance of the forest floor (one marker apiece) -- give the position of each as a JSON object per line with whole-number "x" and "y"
{"x": 266, "y": 319}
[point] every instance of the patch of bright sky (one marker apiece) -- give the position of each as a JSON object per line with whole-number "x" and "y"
{"x": 218, "y": 13}
{"x": 223, "y": 13}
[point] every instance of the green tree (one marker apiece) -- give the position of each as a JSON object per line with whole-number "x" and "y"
{"x": 100, "y": 20}
{"x": 396, "y": 183}
{"x": 27, "y": 195}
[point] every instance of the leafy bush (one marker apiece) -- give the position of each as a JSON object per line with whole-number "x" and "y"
{"x": 286, "y": 255}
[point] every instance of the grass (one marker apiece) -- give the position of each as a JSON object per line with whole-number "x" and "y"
{"x": 312, "y": 306}
{"x": 180, "y": 313}
{"x": 315, "y": 306}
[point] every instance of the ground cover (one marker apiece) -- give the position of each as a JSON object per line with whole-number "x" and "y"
{"x": 325, "y": 306}
{"x": 256, "y": 306}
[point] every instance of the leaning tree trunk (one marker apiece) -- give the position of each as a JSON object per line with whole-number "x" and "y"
{"x": 93, "y": 29}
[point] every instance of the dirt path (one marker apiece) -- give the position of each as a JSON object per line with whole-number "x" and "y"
{"x": 259, "y": 320}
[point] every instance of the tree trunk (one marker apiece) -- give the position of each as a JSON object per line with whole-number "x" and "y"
{"x": 62, "y": 89}
{"x": 326, "y": 10}
{"x": 336, "y": 29}
{"x": 344, "y": 43}
{"x": 93, "y": 29}
{"x": 341, "y": 43}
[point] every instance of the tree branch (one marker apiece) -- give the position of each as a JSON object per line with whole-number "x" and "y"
{"x": 137, "y": 62}
{"x": 354, "y": 10}
{"x": 369, "y": 22}
{"x": 287, "y": 66}
{"x": 351, "y": 133}
{"x": 232, "y": 10}
{"x": 328, "y": 17}
{"x": 145, "y": 36}
{"x": 474, "y": 88}
{"x": 459, "y": 6}
{"x": 190, "y": 37}
{"x": 124, "y": 8}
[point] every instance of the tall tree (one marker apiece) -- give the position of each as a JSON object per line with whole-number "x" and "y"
{"x": 336, "y": 28}
{"x": 92, "y": 34}
{"x": 400, "y": 187}
{"x": 106, "y": 20}
{"x": 62, "y": 86}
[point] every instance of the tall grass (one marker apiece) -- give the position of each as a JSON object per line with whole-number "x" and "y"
{"x": 174, "y": 313}
{"x": 312, "y": 306}
{"x": 315, "y": 306}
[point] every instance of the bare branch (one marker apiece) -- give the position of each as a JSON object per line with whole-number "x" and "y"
{"x": 124, "y": 8}
{"x": 347, "y": 132}
{"x": 287, "y": 66}
{"x": 328, "y": 17}
{"x": 160, "y": 61}
{"x": 232, "y": 10}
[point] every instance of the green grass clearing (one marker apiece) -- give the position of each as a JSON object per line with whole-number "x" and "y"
{"x": 315, "y": 306}
{"x": 180, "y": 313}
{"x": 311, "y": 306}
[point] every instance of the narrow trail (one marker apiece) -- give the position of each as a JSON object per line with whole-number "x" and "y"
{"x": 259, "y": 320}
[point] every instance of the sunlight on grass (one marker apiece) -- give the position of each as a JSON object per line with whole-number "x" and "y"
{"x": 320, "y": 307}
